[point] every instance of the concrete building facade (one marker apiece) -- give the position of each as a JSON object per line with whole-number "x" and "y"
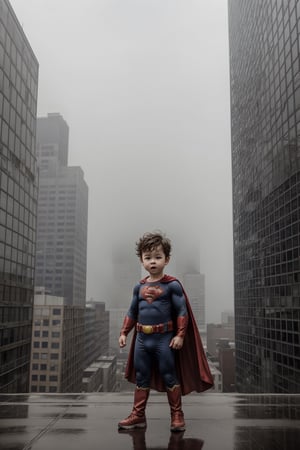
{"x": 57, "y": 345}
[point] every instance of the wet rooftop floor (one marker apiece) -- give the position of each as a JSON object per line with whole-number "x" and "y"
{"x": 89, "y": 421}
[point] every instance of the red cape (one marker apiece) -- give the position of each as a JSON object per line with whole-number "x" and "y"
{"x": 191, "y": 363}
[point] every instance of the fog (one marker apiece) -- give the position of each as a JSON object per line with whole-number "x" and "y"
{"x": 144, "y": 88}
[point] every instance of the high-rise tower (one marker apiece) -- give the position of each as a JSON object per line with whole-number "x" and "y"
{"x": 18, "y": 199}
{"x": 265, "y": 124}
{"x": 61, "y": 256}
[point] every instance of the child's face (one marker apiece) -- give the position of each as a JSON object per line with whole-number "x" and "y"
{"x": 154, "y": 261}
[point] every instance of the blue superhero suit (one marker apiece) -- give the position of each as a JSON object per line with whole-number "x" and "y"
{"x": 191, "y": 364}
{"x": 156, "y": 304}
{"x": 159, "y": 311}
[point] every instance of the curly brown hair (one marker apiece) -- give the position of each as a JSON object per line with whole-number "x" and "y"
{"x": 149, "y": 241}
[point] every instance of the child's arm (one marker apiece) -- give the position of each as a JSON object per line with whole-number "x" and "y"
{"x": 179, "y": 304}
{"x": 130, "y": 319}
{"x": 127, "y": 326}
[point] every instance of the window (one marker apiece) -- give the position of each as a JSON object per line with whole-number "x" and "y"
{"x": 56, "y": 312}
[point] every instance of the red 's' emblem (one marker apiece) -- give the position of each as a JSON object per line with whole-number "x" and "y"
{"x": 151, "y": 293}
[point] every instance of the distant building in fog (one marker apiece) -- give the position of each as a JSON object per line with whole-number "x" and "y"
{"x": 116, "y": 317}
{"x": 217, "y": 377}
{"x": 226, "y": 358}
{"x": 227, "y": 317}
{"x": 61, "y": 257}
{"x": 194, "y": 285}
{"x": 96, "y": 335}
{"x": 101, "y": 375}
{"x": 57, "y": 345}
{"x": 126, "y": 270}
{"x": 18, "y": 199}
{"x": 265, "y": 136}
{"x": 216, "y": 332}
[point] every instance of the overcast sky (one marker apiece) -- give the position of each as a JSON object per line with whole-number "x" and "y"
{"x": 144, "y": 88}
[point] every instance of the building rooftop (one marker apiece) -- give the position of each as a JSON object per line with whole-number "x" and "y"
{"x": 89, "y": 421}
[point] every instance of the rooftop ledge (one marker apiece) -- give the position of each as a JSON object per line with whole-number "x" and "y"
{"x": 89, "y": 421}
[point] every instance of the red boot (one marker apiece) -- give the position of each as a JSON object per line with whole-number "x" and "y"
{"x": 177, "y": 417}
{"x": 137, "y": 417}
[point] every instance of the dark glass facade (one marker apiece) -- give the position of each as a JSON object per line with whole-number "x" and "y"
{"x": 265, "y": 124}
{"x": 18, "y": 200}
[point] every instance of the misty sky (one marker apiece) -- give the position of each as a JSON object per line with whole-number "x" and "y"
{"x": 144, "y": 88}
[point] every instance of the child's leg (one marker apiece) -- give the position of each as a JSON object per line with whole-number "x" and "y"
{"x": 142, "y": 364}
{"x": 166, "y": 359}
{"x": 136, "y": 418}
{"x": 177, "y": 416}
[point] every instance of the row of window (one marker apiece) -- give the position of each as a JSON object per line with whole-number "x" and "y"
{"x": 45, "y": 333}
{"x": 20, "y": 144}
{"x": 15, "y": 45}
{"x": 10, "y": 236}
{"x": 52, "y": 367}
{"x": 53, "y": 356}
{"x": 45, "y": 322}
{"x": 246, "y": 350}
{"x": 16, "y": 294}
{"x": 45, "y": 344}
{"x": 35, "y": 377}
{"x": 14, "y": 314}
{"x": 14, "y": 335}
{"x": 43, "y": 388}
{"x": 45, "y": 311}
{"x": 20, "y": 271}
{"x": 16, "y": 197}
{"x": 14, "y": 255}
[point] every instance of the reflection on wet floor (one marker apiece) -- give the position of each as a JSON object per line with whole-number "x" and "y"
{"x": 176, "y": 441}
{"x": 89, "y": 421}
{"x": 13, "y": 412}
{"x": 268, "y": 407}
{"x": 270, "y": 438}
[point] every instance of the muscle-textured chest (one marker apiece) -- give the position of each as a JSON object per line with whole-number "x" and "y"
{"x": 154, "y": 292}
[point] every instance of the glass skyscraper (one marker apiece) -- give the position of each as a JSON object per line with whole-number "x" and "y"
{"x": 265, "y": 124}
{"x": 62, "y": 218}
{"x": 18, "y": 200}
